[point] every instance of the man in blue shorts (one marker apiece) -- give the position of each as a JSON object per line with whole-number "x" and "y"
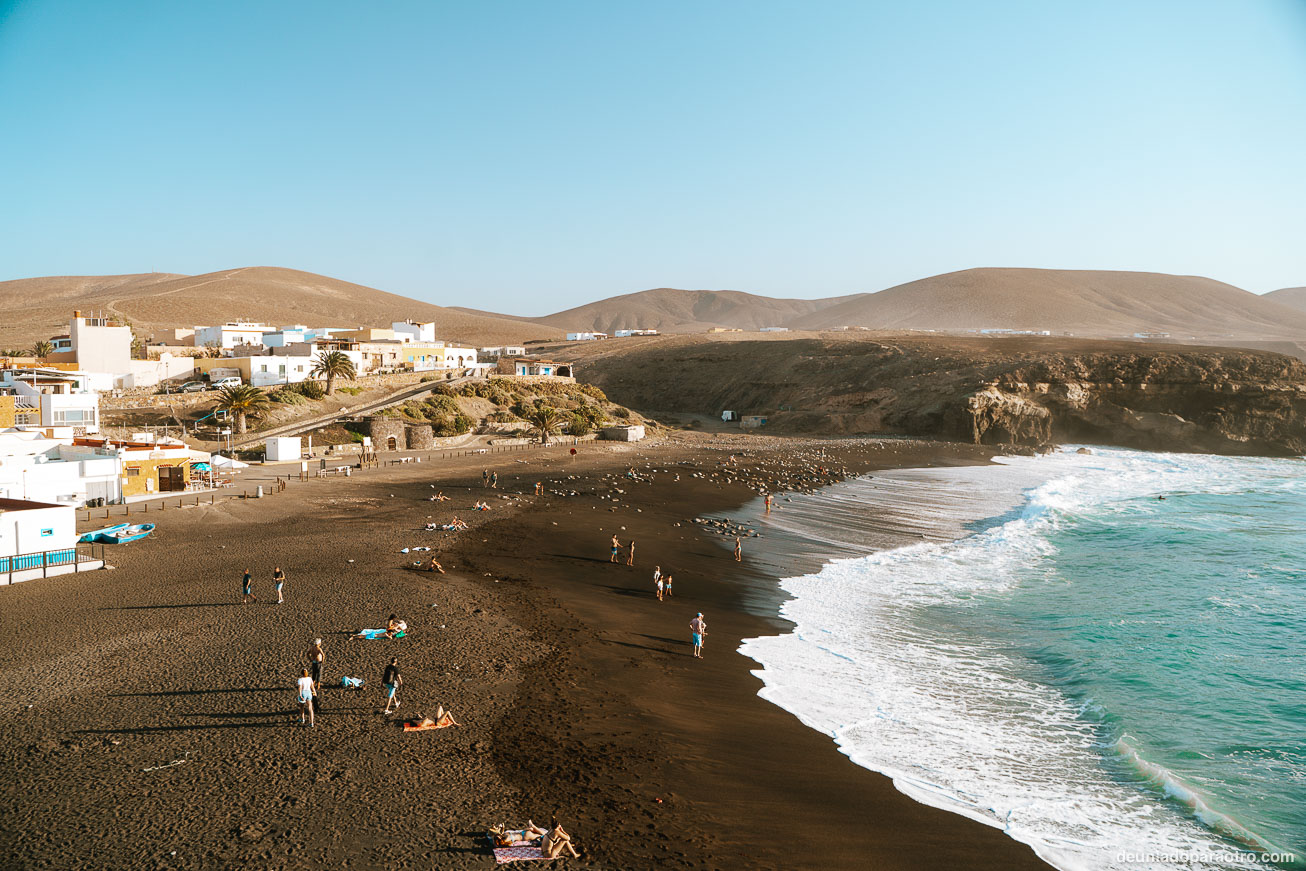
{"x": 698, "y": 629}
{"x": 391, "y": 681}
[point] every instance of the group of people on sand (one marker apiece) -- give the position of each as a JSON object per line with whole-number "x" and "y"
{"x": 247, "y": 586}
{"x": 489, "y": 479}
{"x": 553, "y": 842}
{"x": 662, "y": 586}
{"x": 617, "y": 547}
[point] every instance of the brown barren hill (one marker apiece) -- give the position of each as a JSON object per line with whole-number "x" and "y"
{"x": 37, "y": 308}
{"x": 1292, "y": 297}
{"x": 684, "y": 311}
{"x": 1080, "y": 302}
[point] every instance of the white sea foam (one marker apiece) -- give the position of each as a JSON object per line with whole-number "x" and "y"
{"x": 873, "y": 662}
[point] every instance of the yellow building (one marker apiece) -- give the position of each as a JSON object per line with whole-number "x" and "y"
{"x": 13, "y": 414}
{"x": 148, "y": 467}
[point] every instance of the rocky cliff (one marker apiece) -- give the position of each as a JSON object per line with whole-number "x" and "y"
{"x": 1031, "y": 392}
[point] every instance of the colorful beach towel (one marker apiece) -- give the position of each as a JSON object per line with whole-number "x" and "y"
{"x": 504, "y": 855}
{"x": 373, "y": 634}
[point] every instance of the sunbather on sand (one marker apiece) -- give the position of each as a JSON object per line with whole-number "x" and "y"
{"x": 394, "y": 626}
{"x": 432, "y": 565}
{"x": 482, "y": 506}
{"x": 457, "y": 524}
{"x": 556, "y": 842}
{"x": 442, "y": 719}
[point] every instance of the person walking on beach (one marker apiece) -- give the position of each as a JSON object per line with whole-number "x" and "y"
{"x": 391, "y": 681}
{"x": 697, "y": 630}
{"x": 739, "y": 551}
{"x": 616, "y": 548}
{"x": 666, "y": 585}
{"x": 630, "y": 560}
{"x": 657, "y": 576}
{"x": 660, "y": 586}
{"x": 247, "y": 588}
{"x": 494, "y": 480}
{"x": 485, "y": 477}
{"x": 306, "y": 693}
{"x": 279, "y": 580}
{"x": 768, "y": 503}
{"x": 316, "y": 657}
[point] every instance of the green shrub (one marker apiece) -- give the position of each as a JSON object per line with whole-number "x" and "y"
{"x": 287, "y": 397}
{"x": 309, "y": 389}
{"x": 502, "y": 415}
{"x": 453, "y": 425}
{"x": 621, "y": 413}
{"x": 592, "y": 391}
{"x": 578, "y": 424}
{"x": 352, "y": 391}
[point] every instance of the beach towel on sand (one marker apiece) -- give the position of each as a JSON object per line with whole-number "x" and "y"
{"x": 373, "y": 634}
{"x": 504, "y": 855}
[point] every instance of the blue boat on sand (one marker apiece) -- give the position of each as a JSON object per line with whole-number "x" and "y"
{"x": 99, "y": 536}
{"x": 128, "y": 533}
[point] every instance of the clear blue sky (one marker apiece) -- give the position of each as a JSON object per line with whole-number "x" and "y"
{"x": 530, "y": 156}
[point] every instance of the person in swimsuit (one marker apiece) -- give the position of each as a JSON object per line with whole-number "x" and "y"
{"x": 279, "y": 580}
{"x": 739, "y": 551}
{"x": 616, "y": 548}
{"x": 698, "y": 629}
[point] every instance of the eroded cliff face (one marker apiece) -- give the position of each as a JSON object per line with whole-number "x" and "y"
{"x": 1032, "y": 393}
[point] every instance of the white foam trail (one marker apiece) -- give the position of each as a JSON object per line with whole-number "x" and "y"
{"x": 873, "y": 662}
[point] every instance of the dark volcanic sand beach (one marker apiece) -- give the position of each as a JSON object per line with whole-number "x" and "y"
{"x": 575, "y": 686}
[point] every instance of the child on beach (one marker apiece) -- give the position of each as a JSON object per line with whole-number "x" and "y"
{"x": 666, "y": 585}
{"x": 279, "y": 580}
{"x": 539, "y": 488}
{"x": 306, "y": 693}
{"x": 739, "y": 551}
{"x": 630, "y": 560}
{"x": 698, "y": 629}
{"x": 246, "y": 588}
{"x": 391, "y": 680}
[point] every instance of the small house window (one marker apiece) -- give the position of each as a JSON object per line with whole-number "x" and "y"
{"x": 132, "y": 472}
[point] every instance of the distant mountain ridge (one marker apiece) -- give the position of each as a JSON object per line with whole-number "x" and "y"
{"x": 36, "y": 308}
{"x": 679, "y": 311}
{"x": 1088, "y": 303}
{"x": 1085, "y": 303}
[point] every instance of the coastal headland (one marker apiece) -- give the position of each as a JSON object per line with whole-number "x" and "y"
{"x": 149, "y": 717}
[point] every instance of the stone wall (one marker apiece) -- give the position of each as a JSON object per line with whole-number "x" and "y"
{"x": 421, "y": 437}
{"x": 382, "y": 430}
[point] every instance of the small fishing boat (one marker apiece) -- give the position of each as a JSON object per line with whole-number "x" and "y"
{"x": 95, "y": 536}
{"x": 131, "y": 533}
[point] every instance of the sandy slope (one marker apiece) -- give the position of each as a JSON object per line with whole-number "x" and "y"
{"x": 39, "y": 307}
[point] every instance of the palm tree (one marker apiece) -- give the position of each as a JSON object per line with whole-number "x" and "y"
{"x": 43, "y": 349}
{"x": 332, "y": 365}
{"x": 545, "y": 420}
{"x": 241, "y": 400}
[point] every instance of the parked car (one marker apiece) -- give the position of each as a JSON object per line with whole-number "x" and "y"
{"x": 229, "y": 381}
{"x": 194, "y": 387}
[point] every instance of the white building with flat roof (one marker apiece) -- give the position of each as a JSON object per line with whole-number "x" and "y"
{"x": 410, "y": 331}
{"x": 36, "y": 465}
{"x": 231, "y": 334}
{"x": 37, "y": 540}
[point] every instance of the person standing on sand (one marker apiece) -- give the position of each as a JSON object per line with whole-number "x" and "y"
{"x": 485, "y": 477}
{"x": 768, "y": 503}
{"x": 539, "y": 488}
{"x": 660, "y": 587}
{"x": 494, "y": 480}
{"x": 630, "y": 560}
{"x": 657, "y": 576}
{"x": 316, "y": 657}
{"x": 616, "y": 548}
{"x": 666, "y": 585}
{"x": 247, "y": 588}
{"x": 739, "y": 551}
{"x": 306, "y": 693}
{"x": 279, "y": 580}
{"x": 698, "y": 630}
{"x": 391, "y": 681}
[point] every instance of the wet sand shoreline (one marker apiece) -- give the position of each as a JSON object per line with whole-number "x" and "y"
{"x": 574, "y": 685}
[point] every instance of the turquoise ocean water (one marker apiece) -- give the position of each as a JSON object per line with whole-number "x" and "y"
{"x": 1116, "y": 678}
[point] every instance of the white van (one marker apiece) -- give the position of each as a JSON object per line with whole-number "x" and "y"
{"x": 229, "y": 381}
